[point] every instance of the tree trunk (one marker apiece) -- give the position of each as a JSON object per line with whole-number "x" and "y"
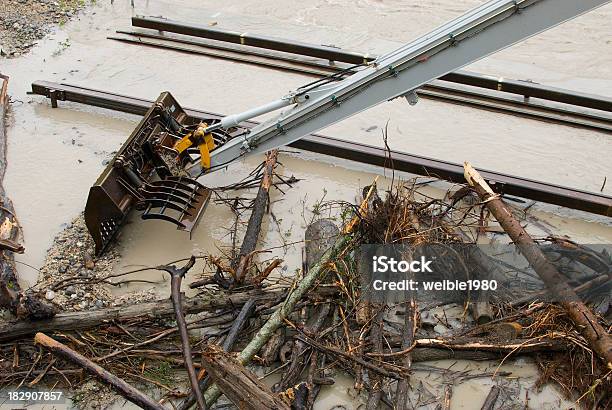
{"x": 585, "y": 321}
{"x": 162, "y": 308}
{"x": 260, "y": 206}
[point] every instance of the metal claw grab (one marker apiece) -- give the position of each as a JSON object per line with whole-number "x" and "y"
{"x": 147, "y": 173}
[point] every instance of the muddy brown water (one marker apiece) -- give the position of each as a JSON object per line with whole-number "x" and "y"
{"x": 56, "y": 154}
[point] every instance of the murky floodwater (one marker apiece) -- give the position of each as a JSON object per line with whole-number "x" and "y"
{"x": 55, "y": 154}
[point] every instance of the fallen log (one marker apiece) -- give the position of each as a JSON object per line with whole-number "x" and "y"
{"x": 24, "y": 306}
{"x": 260, "y": 206}
{"x": 271, "y": 351}
{"x": 126, "y": 390}
{"x": 238, "y": 384}
{"x": 582, "y": 317}
{"x": 162, "y": 308}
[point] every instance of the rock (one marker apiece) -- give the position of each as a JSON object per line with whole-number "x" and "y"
{"x": 455, "y": 324}
{"x": 99, "y": 304}
{"x": 507, "y": 331}
{"x": 83, "y": 304}
{"x": 50, "y": 294}
{"x": 70, "y": 290}
{"x": 440, "y": 329}
{"x": 427, "y": 319}
{"x": 89, "y": 262}
{"x": 73, "y": 296}
{"x": 63, "y": 269}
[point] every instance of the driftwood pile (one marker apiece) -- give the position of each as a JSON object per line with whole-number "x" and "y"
{"x": 248, "y": 324}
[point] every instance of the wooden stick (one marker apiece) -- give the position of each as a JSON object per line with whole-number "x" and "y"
{"x": 176, "y": 276}
{"x": 446, "y": 401}
{"x": 9, "y": 286}
{"x": 584, "y": 320}
{"x": 550, "y": 341}
{"x": 129, "y": 392}
{"x": 491, "y": 399}
{"x": 376, "y": 382}
{"x": 410, "y": 324}
{"x": 260, "y": 205}
{"x": 346, "y": 355}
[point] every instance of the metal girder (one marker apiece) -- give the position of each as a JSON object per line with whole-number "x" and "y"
{"x": 484, "y": 30}
{"x": 592, "y": 202}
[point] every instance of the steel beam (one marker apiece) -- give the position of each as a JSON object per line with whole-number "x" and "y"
{"x": 595, "y": 203}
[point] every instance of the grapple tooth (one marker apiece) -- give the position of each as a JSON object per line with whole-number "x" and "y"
{"x": 185, "y": 180}
{"x": 184, "y": 184}
{"x": 166, "y": 218}
{"x": 185, "y": 196}
{"x": 167, "y": 197}
{"x": 199, "y": 202}
{"x": 163, "y": 205}
{"x": 153, "y": 189}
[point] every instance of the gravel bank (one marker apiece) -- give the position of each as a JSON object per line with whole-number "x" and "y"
{"x": 24, "y": 22}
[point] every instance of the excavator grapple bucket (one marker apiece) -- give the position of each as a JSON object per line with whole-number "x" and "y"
{"x": 147, "y": 174}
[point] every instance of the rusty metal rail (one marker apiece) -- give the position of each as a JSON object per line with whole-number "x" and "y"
{"x": 253, "y": 40}
{"x": 595, "y": 203}
{"x": 511, "y": 100}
